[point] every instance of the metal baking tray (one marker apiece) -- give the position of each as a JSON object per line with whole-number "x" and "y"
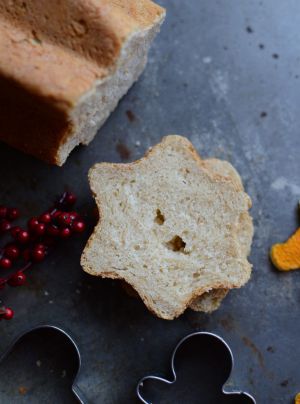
{"x": 226, "y": 75}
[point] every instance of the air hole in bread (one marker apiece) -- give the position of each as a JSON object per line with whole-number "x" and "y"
{"x": 176, "y": 244}
{"x": 36, "y": 39}
{"x": 196, "y": 275}
{"x": 159, "y": 219}
{"x": 137, "y": 247}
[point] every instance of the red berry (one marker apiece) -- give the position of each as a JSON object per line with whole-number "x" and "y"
{"x": 9, "y": 313}
{"x": 56, "y": 214}
{"x": 14, "y": 231}
{"x": 26, "y": 255}
{"x": 45, "y": 218}
{"x": 70, "y": 199}
{"x": 53, "y": 230}
{"x": 73, "y": 216}
{"x": 40, "y": 229}
{"x": 12, "y": 252}
{"x": 5, "y": 263}
{"x": 3, "y": 211}
{"x": 23, "y": 236}
{"x": 32, "y": 223}
{"x": 78, "y": 227}
{"x": 64, "y": 219}
{"x": 5, "y": 226}
{"x": 13, "y": 213}
{"x": 38, "y": 255}
{"x": 65, "y": 233}
{"x": 18, "y": 279}
{"x": 40, "y": 246}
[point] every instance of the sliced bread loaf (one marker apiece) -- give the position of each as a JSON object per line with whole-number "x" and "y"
{"x": 168, "y": 227}
{"x": 64, "y": 65}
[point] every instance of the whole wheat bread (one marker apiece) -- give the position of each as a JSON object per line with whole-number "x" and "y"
{"x": 168, "y": 226}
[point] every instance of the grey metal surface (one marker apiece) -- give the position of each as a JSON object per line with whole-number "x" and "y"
{"x": 198, "y": 356}
{"x": 225, "y": 74}
{"x": 39, "y": 346}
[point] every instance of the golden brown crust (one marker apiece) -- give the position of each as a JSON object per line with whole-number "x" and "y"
{"x": 54, "y": 47}
{"x": 29, "y": 123}
{"x": 51, "y": 54}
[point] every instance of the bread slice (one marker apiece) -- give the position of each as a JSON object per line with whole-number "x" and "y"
{"x": 168, "y": 227}
{"x": 211, "y": 301}
{"x": 64, "y": 65}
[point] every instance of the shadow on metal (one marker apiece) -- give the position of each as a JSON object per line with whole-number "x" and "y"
{"x": 69, "y": 339}
{"x": 201, "y": 366}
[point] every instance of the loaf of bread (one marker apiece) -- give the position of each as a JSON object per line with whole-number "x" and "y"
{"x": 171, "y": 227}
{"x": 64, "y": 65}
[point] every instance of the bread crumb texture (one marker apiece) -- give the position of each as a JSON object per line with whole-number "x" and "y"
{"x": 172, "y": 227}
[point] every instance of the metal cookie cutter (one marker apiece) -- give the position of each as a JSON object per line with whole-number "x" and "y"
{"x": 191, "y": 383}
{"x": 77, "y": 392}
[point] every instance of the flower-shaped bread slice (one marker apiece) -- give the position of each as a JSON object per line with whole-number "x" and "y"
{"x": 168, "y": 226}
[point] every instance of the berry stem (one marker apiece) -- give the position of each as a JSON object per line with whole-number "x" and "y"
{"x": 5, "y": 280}
{"x": 33, "y": 245}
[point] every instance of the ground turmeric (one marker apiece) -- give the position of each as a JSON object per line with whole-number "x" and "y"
{"x": 286, "y": 256}
{"x": 297, "y": 399}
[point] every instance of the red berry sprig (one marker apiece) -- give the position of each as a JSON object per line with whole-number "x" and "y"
{"x": 32, "y": 244}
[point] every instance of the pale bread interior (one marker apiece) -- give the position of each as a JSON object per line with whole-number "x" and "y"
{"x": 96, "y": 105}
{"x": 168, "y": 227}
{"x": 211, "y": 301}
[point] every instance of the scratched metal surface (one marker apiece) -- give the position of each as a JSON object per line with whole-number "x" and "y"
{"x": 226, "y": 74}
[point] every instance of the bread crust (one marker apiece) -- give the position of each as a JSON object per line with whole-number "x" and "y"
{"x": 53, "y": 60}
{"x": 107, "y": 272}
